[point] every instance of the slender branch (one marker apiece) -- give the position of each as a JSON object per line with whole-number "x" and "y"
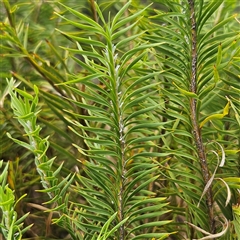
{"x": 121, "y": 207}
{"x": 116, "y": 88}
{"x": 122, "y": 153}
{"x": 194, "y": 116}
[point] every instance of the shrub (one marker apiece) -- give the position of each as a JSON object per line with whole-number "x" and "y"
{"x": 129, "y": 114}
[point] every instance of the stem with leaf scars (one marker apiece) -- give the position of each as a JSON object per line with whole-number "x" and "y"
{"x": 195, "y": 125}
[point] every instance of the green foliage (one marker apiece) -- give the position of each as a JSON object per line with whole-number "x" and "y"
{"x": 129, "y": 114}
{"x": 11, "y": 227}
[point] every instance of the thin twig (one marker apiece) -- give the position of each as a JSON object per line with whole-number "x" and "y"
{"x": 195, "y": 125}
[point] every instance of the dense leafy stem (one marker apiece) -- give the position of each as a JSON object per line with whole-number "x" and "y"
{"x": 129, "y": 114}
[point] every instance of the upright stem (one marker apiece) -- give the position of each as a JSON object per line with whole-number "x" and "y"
{"x": 121, "y": 210}
{"x": 118, "y": 111}
{"x": 193, "y": 111}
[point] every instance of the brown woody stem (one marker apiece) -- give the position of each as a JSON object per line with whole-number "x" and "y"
{"x": 194, "y": 117}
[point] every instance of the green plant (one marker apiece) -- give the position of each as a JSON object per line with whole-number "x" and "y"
{"x": 11, "y": 225}
{"x": 146, "y": 99}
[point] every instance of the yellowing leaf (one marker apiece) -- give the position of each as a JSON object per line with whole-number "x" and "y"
{"x": 186, "y": 93}
{"x": 215, "y": 74}
{"x": 226, "y": 109}
{"x": 232, "y": 180}
{"x": 236, "y": 221}
{"x": 216, "y": 116}
{"x": 219, "y": 55}
{"x": 237, "y": 116}
{"x": 231, "y": 152}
